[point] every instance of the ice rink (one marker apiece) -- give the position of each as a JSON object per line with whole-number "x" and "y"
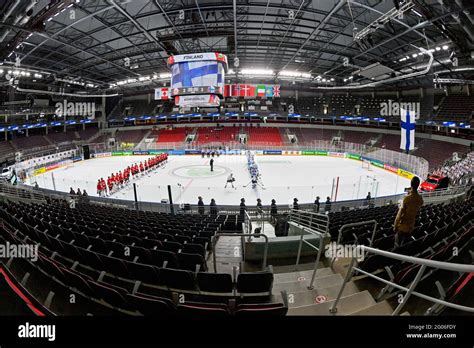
{"x": 283, "y": 178}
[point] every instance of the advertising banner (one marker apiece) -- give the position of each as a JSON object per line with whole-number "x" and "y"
{"x": 103, "y": 154}
{"x": 336, "y": 154}
{"x": 353, "y": 156}
{"x": 376, "y": 163}
{"x": 53, "y": 166}
{"x": 405, "y": 174}
{"x": 39, "y": 171}
{"x": 390, "y": 168}
{"x": 192, "y": 152}
{"x": 122, "y": 153}
{"x": 291, "y": 153}
{"x": 208, "y": 56}
{"x": 272, "y": 152}
{"x": 198, "y": 100}
{"x": 176, "y": 152}
{"x": 141, "y": 152}
{"x": 158, "y": 152}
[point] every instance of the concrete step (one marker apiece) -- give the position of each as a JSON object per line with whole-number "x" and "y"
{"x": 300, "y": 267}
{"x": 381, "y": 308}
{"x": 347, "y": 304}
{"x": 300, "y": 275}
{"x": 310, "y": 297}
{"x": 319, "y": 283}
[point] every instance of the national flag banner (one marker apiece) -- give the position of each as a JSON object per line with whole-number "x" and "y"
{"x": 162, "y": 93}
{"x": 227, "y": 91}
{"x": 269, "y": 91}
{"x": 245, "y": 90}
{"x": 250, "y": 91}
{"x": 407, "y": 139}
{"x": 276, "y": 91}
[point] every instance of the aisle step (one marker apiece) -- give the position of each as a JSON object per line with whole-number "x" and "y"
{"x": 319, "y": 283}
{"x": 381, "y": 308}
{"x": 301, "y": 275}
{"x": 347, "y": 305}
{"x": 311, "y": 297}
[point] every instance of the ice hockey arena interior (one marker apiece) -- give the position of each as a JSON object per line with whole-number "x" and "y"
{"x": 232, "y": 159}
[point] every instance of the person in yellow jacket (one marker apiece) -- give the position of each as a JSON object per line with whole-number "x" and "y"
{"x": 406, "y": 216}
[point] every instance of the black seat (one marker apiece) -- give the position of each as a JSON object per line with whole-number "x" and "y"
{"x": 178, "y": 279}
{"x": 152, "y": 306}
{"x": 158, "y": 257}
{"x": 115, "y": 266}
{"x": 172, "y": 246}
{"x": 145, "y": 273}
{"x": 194, "y": 248}
{"x": 190, "y": 261}
{"x": 110, "y": 295}
{"x": 215, "y": 282}
{"x": 261, "y": 310}
{"x": 198, "y": 310}
{"x": 255, "y": 282}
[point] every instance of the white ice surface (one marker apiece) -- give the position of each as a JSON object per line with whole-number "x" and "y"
{"x": 283, "y": 177}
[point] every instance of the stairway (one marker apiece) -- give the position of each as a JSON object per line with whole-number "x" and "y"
{"x": 228, "y": 255}
{"x": 317, "y": 301}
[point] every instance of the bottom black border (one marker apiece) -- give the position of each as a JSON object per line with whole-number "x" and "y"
{"x": 287, "y": 330}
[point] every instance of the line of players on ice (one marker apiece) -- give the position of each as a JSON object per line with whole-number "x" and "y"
{"x": 255, "y": 177}
{"x": 118, "y": 181}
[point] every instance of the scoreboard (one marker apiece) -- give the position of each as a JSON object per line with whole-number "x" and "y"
{"x": 200, "y": 74}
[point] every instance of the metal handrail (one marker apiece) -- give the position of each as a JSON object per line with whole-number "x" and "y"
{"x": 319, "y": 248}
{"x": 455, "y": 267}
{"x": 356, "y": 224}
{"x": 309, "y": 218}
{"x": 240, "y": 235}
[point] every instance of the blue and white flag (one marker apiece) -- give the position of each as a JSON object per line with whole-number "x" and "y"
{"x": 407, "y": 123}
{"x": 194, "y": 74}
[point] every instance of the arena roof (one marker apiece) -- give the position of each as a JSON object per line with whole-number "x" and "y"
{"x": 101, "y": 42}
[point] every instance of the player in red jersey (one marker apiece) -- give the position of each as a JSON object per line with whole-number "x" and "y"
{"x": 99, "y": 188}
{"x": 110, "y": 184}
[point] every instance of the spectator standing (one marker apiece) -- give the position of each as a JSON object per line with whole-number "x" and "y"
{"x": 273, "y": 210}
{"x": 296, "y": 206}
{"x": 406, "y": 216}
{"x": 200, "y": 206}
{"x": 327, "y": 207}
{"x": 316, "y": 204}
{"x": 213, "y": 207}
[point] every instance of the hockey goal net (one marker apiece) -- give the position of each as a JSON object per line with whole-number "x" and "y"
{"x": 366, "y": 165}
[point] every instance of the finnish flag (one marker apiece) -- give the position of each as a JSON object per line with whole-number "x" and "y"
{"x": 407, "y": 123}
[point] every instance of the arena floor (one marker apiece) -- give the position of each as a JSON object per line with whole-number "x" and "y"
{"x": 283, "y": 178}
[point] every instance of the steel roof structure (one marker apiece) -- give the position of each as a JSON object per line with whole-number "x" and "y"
{"x": 103, "y": 41}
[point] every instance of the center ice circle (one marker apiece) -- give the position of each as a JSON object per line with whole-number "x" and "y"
{"x": 196, "y": 172}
